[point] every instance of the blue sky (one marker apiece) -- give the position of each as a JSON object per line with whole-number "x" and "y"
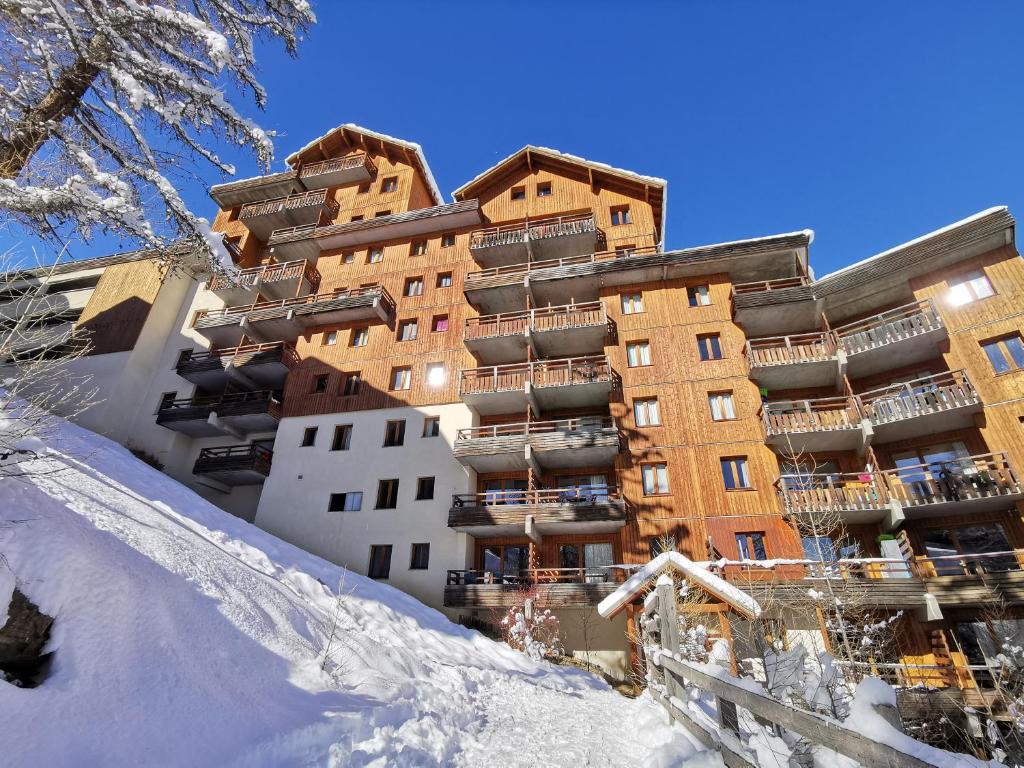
{"x": 870, "y": 123}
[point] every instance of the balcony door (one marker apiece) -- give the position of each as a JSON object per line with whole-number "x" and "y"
{"x": 505, "y": 491}
{"x": 590, "y": 561}
{"x": 951, "y": 548}
{"x": 506, "y": 562}
{"x": 584, "y": 487}
{"x": 933, "y": 471}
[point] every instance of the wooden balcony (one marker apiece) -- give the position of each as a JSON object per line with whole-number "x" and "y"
{"x": 337, "y": 172}
{"x": 961, "y": 486}
{"x": 558, "y": 587}
{"x": 588, "y": 441}
{"x": 587, "y": 509}
{"x": 565, "y": 331}
{"x": 302, "y": 209}
{"x": 256, "y": 366}
{"x": 234, "y": 465}
{"x": 826, "y": 424}
{"x": 768, "y": 307}
{"x": 855, "y": 498}
{"x": 793, "y": 362}
{"x": 256, "y": 189}
{"x": 288, "y": 319}
{"x": 238, "y": 414}
{"x": 541, "y": 239}
{"x": 580, "y": 382}
{"x": 901, "y": 336}
{"x": 272, "y": 281}
{"x": 938, "y": 403}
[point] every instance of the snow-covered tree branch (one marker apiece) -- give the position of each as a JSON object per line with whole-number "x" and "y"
{"x": 101, "y": 99}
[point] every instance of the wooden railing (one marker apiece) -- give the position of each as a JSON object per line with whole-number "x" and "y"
{"x": 371, "y": 292}
{"x": 526, "y": 267}
{"x": 797, "y": 348}
{"x": 535, "y": 576}
{"x": 510, "y": 234}
{"x": 543, "y": 373}
{"x": 822, "y": 415}
{"x": 964, "y": 677}
{"x": 928, "y": 394}
{"x": 289, "y": 356}
{"x": 584, "y": 494}
{"x": 338, "y": 164}
{"x": 892, "y": 325}
{"x": 580, "y": 424}
{"x": 269, "y": 273}
{"x": 542, "y": 319}
{"x": 287, "y": 234}
{"x": 316, "y": 197}
{"x": 808, "y": 493}
{"x": 759, "y": 286}
{"x": 972, "y": 477}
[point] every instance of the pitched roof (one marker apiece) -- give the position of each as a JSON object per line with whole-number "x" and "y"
{"x": 344, "y": 131}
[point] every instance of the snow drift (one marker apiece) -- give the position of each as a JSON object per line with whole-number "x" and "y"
{"x": 184, "y": 636}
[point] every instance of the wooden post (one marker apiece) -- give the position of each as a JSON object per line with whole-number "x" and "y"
{"x": 665, "y": 590}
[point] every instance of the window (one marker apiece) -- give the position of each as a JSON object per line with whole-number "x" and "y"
{"x": 448, "y": 240}
{"x": 359, "y": 337}
{"x": 439, "y": 323}
{"x": 424, "y": 488}
{"x": 401, "y": 378}
{"x": 389, "y": 184}
{"x": 330, "y": 339}
{"x": 394, "y": 433}
{"x": 380, "y": 561}
{"x": 710, "y": 346}
{"x": 646, "y": 413}
{"x": 378, "y": 214}
{"x": 722, "y": 408}
{"x": 308, "y": 437}
{"x": 166, "y": 399}
{"x": 638, "y": 354}
{"x": 734, "y": 473}
{"x": 358, "y": 217}
{"x": 375, "y": 256}
{"x": 407, "y": 330}
{"x": 348, "y": 258}
{"x": 444, "y": 280}
{"x": 431, "y": 426}
{"x": 342, "y": 439}
{"x": 420, "y": 557}
{"x": 351, "y": 501}
{"x": 320, "y": 382}
{"x": 419, "y": 248}
{"x": 632, "y": 303}
{"x": 698, "y": 296}
{"x": 435, "y": 374}
{"x": 518, "y": 193}
{"x": 544, "y": 189}
{"x": 620, "y": 215}
{"x": 350, "y": 383}
{"x": 655, "y": 477}
{"x": 971, "y": 287}
{"x": 387, "y": 494}
{"x": 1005, "y": 354}
{"x": 363, "y": 188}
{"x": 751, "y": 545}
{"x": 413, "y": 287}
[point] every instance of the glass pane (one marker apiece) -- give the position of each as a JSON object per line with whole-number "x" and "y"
{"x": 938, "y": 543}
{"x": 597, "y": 555}
{"x": 743, "y": 546}
{"x": 568, "y": 556}
{"x": 819, "y": 548}
{"x": 1015, "y": 346}
{"x": 996, "y": 357}
{"x": 492, "y": 559}
{"x": 759, "y": 552}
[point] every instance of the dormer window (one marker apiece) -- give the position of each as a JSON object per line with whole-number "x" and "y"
{"x": 518, "y": 193}
{"x": 389, "y": 184}
{"x": 543, "y": 189}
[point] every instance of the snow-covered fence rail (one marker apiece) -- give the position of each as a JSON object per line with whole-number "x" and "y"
{"x": 669, "y": 677}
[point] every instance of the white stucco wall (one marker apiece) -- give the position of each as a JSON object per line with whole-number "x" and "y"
{"x": 295, "y": 497}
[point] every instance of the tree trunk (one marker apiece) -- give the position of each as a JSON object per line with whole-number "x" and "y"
{"x": 36, "y": 127}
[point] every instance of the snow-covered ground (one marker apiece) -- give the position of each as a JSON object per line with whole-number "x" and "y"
{"x": 186, "y": 637}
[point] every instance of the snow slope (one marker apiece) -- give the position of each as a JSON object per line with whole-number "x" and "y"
{"x": 187, "y": 637}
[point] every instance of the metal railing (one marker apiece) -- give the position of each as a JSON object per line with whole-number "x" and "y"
{"x": 372, "y": 292}
{"x": 542, "y": 319}
{"x": 316, "y": 197}
{"x": 958, "y": 479}
{"x": 338, "y": 164}
{"x": 257, "y": 455}
{"x": 269, "y": 273}
{"x": 821, "y": 415}
{"x": 526, "y": 267}
{"x": 796, "y": 348}
{"x": 892, "y": 325}
{"x": 580, "y": 424}
{"x": 214, "y": 401}
{"x": 759, "y": 286}
{"x": 511, "y": 234}
{"x": 585, "y": 494}
{"x": 928, "y": 394}
{"x": 289, "y": 356}
{"x": 543, "y": 373}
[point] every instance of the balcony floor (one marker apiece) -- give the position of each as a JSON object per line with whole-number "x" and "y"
{"x": 944, "y": 420}
{"x": 906, "y": 350}
{"x": 796, "y": 375}
{"x": 482, "y": 521}
{"x": 849, "y": 439}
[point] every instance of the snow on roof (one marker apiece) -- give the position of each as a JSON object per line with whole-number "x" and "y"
{"x": 410, "y": 145}
{"x": 716, "y": 586}
{"x": 916, "y": 240}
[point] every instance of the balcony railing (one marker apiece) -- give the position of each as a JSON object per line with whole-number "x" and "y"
{"x": 581, "y": 424}
{"x": 544, "y": 319}
{"x": 928, "y": 394}
{"x": 785, "y": 350}
{"x": 228, "y": 402}
{"x": 587, "y": 494}
{"x": 316, "y": 197}
{"x": 954, "y": 481}
{"x": 338, "y": 164}
{"x": 903, "y": 322}
{"x": 544, "y": 373}
{"x": 237, "y": 464}
{"x": 760, "y": 286}
{"x": 372, "y": 292}
{"x": 238, "y": 356}
{"x": 536, "y": 576}
{"x": 270, "y": 273}
{"x": 511, "y": 234}
{"x": 809, "y": 493}
{"x": 526, "y": 267}
{"x": 821, "y": 415}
